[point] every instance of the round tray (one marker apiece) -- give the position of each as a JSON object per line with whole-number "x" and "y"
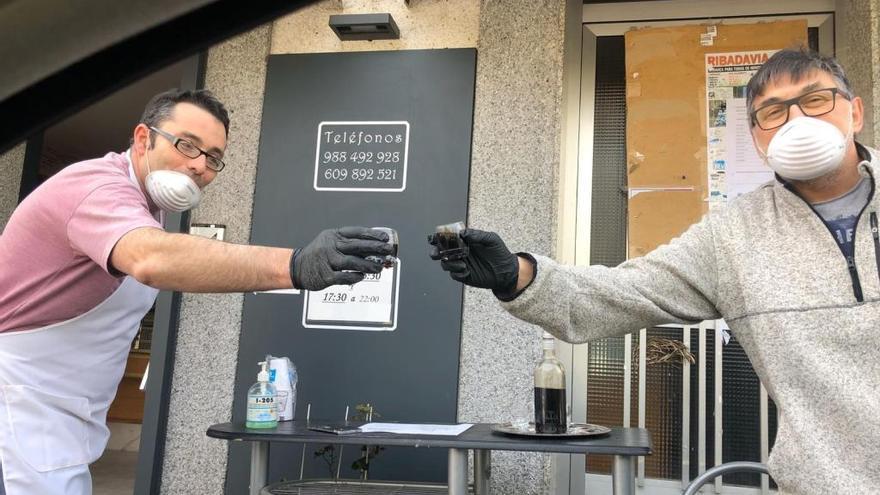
{"x": 574, "y": 430}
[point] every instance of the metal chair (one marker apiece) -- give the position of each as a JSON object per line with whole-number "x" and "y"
{"x": 721, "y": 469}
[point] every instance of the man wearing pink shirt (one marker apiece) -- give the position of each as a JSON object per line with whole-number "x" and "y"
{"x": 83, "y": 258}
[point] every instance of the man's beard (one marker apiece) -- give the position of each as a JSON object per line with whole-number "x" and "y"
{"x": 821, "y": 182}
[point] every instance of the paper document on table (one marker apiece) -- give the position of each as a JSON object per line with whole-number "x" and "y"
{"x": 415, "y": 429}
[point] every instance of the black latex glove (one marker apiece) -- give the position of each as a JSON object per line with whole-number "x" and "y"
{"x": 320, "y": 264}
{"x": 488, "y": 265}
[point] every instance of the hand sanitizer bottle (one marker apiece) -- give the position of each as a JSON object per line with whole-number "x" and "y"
{"x": 262, "y": 411}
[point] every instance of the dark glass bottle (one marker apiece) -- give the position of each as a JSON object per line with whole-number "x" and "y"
{"x": 550, "y": 406}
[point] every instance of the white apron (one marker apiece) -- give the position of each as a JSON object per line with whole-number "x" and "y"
{"x": 56, "y": 385}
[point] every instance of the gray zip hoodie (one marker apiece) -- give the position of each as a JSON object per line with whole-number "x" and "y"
{"x": 808, "y": 320}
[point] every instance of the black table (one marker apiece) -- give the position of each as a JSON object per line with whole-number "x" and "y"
{"x": 625, "y": 444}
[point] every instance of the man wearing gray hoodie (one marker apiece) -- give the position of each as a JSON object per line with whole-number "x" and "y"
{"x": 793, "y": 267}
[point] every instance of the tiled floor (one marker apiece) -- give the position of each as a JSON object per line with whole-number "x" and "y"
{"x": 113, "y": 473}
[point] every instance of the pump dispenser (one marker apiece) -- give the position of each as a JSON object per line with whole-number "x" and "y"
{"x": 550, "y": 404}
{"x": 262, "y": 411}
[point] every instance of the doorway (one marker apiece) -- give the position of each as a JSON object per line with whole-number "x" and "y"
{"x": 607, "y": 387}
{"x": 103, "y": 127}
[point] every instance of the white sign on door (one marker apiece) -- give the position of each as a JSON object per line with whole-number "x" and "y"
{"x": 367, "y": 305}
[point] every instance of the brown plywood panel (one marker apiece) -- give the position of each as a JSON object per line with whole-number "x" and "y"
{"x": 666, "y": 115}
{"x": 661, "y": 216}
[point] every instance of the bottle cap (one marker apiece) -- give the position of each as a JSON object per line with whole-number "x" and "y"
{"x": 263, "y": 375}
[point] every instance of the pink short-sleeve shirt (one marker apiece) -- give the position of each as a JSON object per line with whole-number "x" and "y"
{"x": 55, "y": 249}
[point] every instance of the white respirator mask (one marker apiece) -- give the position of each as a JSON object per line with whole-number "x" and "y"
{"x": 172, "y": 191}
{"x": 806, "y": 148}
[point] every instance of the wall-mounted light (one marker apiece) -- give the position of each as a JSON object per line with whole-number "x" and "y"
{"x": 364, "y": 27}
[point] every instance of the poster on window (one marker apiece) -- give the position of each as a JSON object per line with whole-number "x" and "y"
{"x": 734, "y": 166}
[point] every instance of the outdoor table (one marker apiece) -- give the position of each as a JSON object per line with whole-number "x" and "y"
{"x": 625, "y": 444}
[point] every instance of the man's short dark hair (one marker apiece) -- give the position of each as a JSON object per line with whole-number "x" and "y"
{"x": 161, "y": 107}
{"x": 795, "y": 64}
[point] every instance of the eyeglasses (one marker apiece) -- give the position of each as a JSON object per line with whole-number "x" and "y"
{"x": 189, "y": 150}
{"x": 812, "y": 104}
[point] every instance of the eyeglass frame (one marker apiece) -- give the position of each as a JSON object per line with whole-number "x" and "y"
{"x": 174, "y": 142}
{"x": 796, "y": 101}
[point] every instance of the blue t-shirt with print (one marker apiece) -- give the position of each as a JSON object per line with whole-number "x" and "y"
{"x": 840, "y": 215}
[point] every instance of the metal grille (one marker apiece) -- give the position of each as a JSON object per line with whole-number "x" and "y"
{"x": 608, "y": 222}
{"x": 663, "y": 399}
{"x": 741, "y": 413}
{"x": 604, "y": 386}
{"x": 663, "y": 396}
{"x": 343, "y": 487}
